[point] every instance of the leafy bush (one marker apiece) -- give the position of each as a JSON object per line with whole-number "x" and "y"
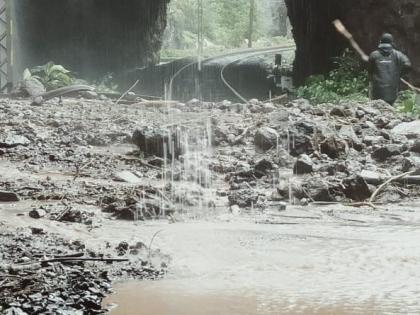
{"x": 407, "y": 103}
{"x": 348, "y": 81}
{"x": 51, "y": 75}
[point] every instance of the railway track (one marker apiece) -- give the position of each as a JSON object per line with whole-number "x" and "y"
{"x": 230, "y": 59}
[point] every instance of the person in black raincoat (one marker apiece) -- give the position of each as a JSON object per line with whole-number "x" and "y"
{"x": 386, "y": 66}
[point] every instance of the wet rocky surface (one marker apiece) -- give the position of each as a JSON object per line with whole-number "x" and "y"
{"x": 83, "y": 168}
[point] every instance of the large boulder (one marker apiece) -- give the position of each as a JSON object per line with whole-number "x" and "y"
{"x": 356, "y": 188}
{"x": 303, "y": 165}
{"x": 266, "y": 138}
{"x": 408, "y": 129}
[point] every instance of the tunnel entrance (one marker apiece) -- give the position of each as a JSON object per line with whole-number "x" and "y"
{"x": 90, "y": 37}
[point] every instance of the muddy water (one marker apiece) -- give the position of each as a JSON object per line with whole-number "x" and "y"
{"x": 174, "y": 298}
{"x": 319, "y": 261}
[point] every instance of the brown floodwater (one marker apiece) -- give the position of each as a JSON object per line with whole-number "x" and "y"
{"x": 174, "y": 298}
{"x": 330, "y": 261}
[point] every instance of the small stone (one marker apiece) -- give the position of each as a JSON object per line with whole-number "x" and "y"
{"x": 127, "y": 177}
{"x": 37, "y": 213}
{"x": 37, "y": 231}
{"x": 282, "y": 206}
{"x": 338, "y": 111}
{"x": 131, "y": 96}
{"x": 386, "y": 152}
{"x": 268, "y": 108}
{"x": 304, "y": 202}
{"x": 333, "y": 147}
{"x": 235, "y": 210}
{"x": 263, "y": 166}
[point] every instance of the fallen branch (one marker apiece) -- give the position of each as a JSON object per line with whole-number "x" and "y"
{"x": 380, "y": 188}
{"x": 126, "y": 92}
{"x": 410, "y": 180}
{"x": 77, "y": 259}
{"x": 151, "y": 242}
{"x": 238, "y": 139}
{"x": 346, "y": 204}
{"x": 39, "y": 99}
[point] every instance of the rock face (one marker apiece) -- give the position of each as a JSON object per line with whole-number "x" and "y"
{"x": 317, "y": 41}
{"x": 89, "y": 36}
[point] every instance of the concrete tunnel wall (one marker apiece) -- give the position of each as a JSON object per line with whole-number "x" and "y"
{"x": 317, "y": 41}
{"x": 91, "y": 37}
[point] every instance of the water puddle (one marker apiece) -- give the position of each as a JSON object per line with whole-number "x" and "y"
{"x": 176, "y": 297}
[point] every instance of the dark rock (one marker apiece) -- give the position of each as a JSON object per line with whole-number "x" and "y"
{"x": 338, "y": 111}
{"x": 122, "y": 248}
{"x": 316, "y": 189}
{"x": 411, "y": 163}
{"x": 243, "y": 198}
{"x": 37, "y": 231}
{"x": 303, "y": 165}
{"x": 266, "y": 138}
{"x": 415, "y": 147}
{"x": 263, "y": 166}
{"x": 333, "y": 147}
{"x": 282, "y": 206}
{"x": 152, "y": 141}
{"x": 283, "y": 188}
{"x": 306, "y": 127}
{"x": 7, "y": 196}
{"x": 386, "y": 152}
{"x": 300, "y": 144}
{"x": 356, "y": 188}
{"x": 37, "y": 213}
{"x": 381, "y": 122}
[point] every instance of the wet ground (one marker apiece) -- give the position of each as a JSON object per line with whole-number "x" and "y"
{"x": 312, "y": 259}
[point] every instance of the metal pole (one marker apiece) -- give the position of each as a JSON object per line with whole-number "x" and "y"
{"x": 200, "y": 32}
{"x": 251, "y": 22}
{"x": 5, "y": 46}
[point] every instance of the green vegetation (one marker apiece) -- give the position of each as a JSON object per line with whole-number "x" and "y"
{"x": 225, "y": 25}
{"x": 348, "y": 81}
{"x": 52, "y": 76}
{"x": 406, "y": 103}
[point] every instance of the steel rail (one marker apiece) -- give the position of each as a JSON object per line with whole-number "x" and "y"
{"x": 248, "y": 52}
